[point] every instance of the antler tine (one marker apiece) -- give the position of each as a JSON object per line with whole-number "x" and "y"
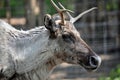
{"x": 72, "y": 19}
{"x": 60, "y": 11}
{"x": 55, "y": 6}
{"x": 80, "y": 15}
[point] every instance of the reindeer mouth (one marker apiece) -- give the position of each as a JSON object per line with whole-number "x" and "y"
{"x": 89, "y": 68}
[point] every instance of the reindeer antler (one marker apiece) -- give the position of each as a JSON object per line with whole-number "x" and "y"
{"x": 72, "y": 19}
{"x": 60, "y": 11}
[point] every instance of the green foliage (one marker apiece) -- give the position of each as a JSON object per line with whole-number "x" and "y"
{"x": 17, "y": 12}
{"x": 15, "y": 3}
{"x": 2, "y": 12}
{"x": 114, "y": 74}
{"x": 112, "y": 5}
{"x": 17, "y": 8}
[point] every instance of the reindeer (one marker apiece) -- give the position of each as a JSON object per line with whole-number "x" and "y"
{"x": 33, "y": 54}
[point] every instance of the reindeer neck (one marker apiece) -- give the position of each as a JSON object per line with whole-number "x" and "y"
{"x": 31, "y": 48}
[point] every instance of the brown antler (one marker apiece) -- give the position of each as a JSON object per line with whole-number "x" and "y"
{"x": 72, "y": 19}
{"x": 60, "y": 11}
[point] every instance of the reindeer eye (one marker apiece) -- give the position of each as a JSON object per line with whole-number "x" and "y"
{"x": 68, "y": 38}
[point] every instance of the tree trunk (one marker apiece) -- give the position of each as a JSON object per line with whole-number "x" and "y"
{"x": 8, "y": 10}
{"x": 30, "y": 13}
{"x": 41, "y": 14}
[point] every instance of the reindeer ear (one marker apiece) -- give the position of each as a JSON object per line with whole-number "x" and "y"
{"x": 48, "y": 21}
{"x": 50, "y": 25}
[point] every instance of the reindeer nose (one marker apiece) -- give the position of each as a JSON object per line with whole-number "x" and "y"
{"x": 95, "y": 61}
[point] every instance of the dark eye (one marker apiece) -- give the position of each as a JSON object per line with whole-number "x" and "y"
{"x": 68, "y": 38}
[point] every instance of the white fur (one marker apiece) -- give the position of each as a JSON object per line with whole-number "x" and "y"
{"x": 29, "y": 50}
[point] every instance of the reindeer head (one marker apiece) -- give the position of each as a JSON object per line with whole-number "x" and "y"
{"x": 72, "y": 47}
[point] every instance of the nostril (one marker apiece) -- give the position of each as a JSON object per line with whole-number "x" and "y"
{"x": 93, "y": 61}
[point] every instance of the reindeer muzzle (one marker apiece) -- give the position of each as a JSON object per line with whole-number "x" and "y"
{"x": 91, "y": 63}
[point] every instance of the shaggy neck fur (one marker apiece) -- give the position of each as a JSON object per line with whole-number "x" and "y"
{"x": 33, "y": 48}
{"x": 32, "y": 51}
